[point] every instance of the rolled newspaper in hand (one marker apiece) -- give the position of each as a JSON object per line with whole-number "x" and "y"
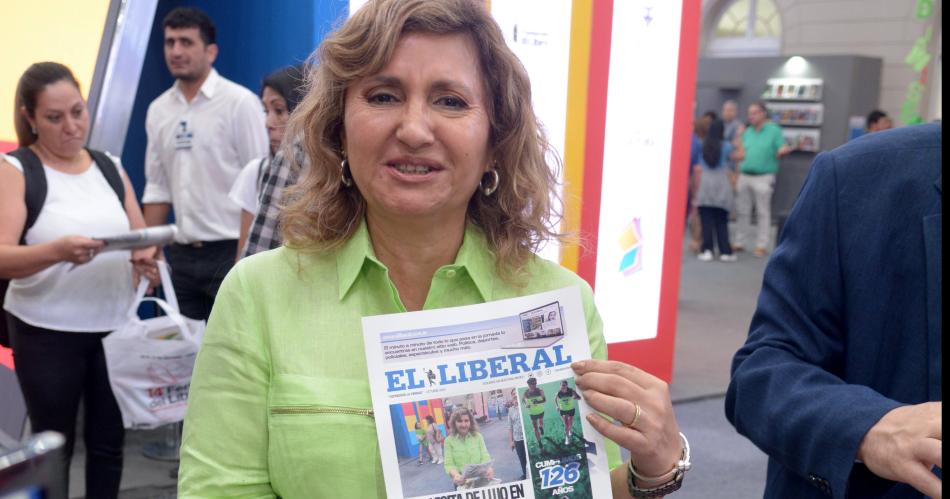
{"x": 139, "y": 238}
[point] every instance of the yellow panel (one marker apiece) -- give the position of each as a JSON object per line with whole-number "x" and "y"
{"x": 62, "y": 31}
{"x": 576, "y": 125}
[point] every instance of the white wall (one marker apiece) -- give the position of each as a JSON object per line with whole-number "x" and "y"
{"x": 876, "y": 28}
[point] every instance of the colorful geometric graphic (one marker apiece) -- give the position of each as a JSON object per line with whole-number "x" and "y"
{"x": 631, "y": 242}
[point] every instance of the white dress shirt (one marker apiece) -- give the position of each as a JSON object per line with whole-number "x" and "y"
{"x": 195, "y": 152}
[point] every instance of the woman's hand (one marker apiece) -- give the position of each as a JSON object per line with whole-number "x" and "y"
{"x": 489, "y": 473}
{"x": 457, "y": 478}
{"x": 617, "y": 389}
{"x": 144, "y": 266}
{"x": 77, "y": 249}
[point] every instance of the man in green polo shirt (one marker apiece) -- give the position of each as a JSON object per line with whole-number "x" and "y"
{"x": 762, "y": 146}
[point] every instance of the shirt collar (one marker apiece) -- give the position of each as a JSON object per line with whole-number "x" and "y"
{"x": 474, "y": 257}
{"x": 209, "y": 85}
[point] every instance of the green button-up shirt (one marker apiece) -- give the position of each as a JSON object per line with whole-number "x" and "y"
{"x": 761, "y": 146}
{"x": 280, "y": 401}
{"x": 462, "y": 451}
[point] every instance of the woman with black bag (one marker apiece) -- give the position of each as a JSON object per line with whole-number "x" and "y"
{"x": 56, "y": 196}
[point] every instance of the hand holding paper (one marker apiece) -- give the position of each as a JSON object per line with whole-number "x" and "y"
{"x": 649, "y": 432}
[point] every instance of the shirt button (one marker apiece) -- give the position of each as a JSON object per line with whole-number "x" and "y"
{"x": 450, "y": 273}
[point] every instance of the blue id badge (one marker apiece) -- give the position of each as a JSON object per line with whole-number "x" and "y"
{"x": 183, "y": 136}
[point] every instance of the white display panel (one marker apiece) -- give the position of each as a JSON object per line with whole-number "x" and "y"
{"x": 539, "y": 33}
{"x": 641, "y": 97}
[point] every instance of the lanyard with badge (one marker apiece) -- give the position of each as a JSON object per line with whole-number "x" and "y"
{"x": 183, "y": 135}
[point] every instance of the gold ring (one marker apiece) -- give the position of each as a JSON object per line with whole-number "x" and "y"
{"x": 636, "y": 417}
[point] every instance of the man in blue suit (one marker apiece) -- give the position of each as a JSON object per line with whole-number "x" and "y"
{"x": 839, "y": 379}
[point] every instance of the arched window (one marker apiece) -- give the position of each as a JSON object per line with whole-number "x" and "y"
{"x": 746, "y": 28}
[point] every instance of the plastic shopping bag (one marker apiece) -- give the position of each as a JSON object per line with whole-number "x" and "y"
{"x": 150, "y": 361}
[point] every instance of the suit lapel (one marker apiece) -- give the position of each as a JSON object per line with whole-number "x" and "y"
{"x": 932, "y": 247}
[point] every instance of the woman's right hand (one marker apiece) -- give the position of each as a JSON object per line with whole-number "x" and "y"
{"x": 457, "y": 478}
{"x": 77, "y": 249}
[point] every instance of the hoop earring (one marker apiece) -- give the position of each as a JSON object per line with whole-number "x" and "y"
{"x": 345, "y": 177}
{"x": 33, "y": 129}
{"x": 488, "y": 190}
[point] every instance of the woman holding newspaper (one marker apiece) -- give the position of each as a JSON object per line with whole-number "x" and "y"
{"x": 64, "y": 296}
{"x": 429, "y": 187}
{"x": 466, "y": 457}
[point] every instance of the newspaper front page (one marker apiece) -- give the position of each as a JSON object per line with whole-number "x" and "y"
{"x": 464, "y": 395}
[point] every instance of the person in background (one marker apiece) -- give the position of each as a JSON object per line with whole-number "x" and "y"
{"x": 64, "y": 295}
{"x": 429, "y": 187}
{"x": 516, "y": 432}
{"x": 436, "y": 439}
{"x": 762, "y": 147}
{"x": 694, "y": 230}
{"x": 566, "y": 398}
{"x": 877, "y": 120}
{"x": 732, "y": 134}
{"x": 534, "y": 400}
{"x": 281, "y": 91}
{"x": 715, "y": 197}
{"x": 277, "y": 178}
{"x": 201, "y": 132}
{"x": 421, "y": 441}
{"x": 839, "y": 381}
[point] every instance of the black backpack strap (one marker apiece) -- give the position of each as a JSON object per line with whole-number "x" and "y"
{"x": 34, "y": 179}
{"x": 110, "y": 172}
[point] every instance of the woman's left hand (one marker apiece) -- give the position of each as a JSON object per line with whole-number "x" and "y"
{"x": 144, "y": 266}
{"x": 616, "y": 389}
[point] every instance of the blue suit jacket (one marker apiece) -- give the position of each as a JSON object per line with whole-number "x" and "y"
{"x": 847, "y": 325}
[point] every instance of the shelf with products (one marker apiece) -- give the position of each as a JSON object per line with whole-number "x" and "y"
{"x": 793, "y": 89}
{"x": 796, "y": 114}
{"x": 802, "y": 139}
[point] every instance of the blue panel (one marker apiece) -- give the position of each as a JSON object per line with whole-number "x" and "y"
{"x": 254, "y": 39}
{"x": 405, "y": 442}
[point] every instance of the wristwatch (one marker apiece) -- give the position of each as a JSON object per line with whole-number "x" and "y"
{"x": 668, "y": 482}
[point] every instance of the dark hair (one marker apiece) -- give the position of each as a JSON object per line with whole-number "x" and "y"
{"x": 712, "y": 144}
{"x": 33, "y": 81}
{"x": 711, "y": 115}
{"x": 190, "y": 17}
{"x": 874, "y": 116}
{"x": 289, "y": 83}
{"x": 430, "y": 419}
{"x": 532, "y": 381}
{"x": 761, "y": 105}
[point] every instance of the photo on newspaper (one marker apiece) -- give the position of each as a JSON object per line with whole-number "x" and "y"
{"x": 481, "y": 401}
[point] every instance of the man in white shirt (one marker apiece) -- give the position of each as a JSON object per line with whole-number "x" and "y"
{"x": 201, "y": 132}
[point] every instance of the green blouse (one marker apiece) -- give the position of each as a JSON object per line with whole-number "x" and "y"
{"x": 462, "y": 451}
{"x": 280, "y": 401}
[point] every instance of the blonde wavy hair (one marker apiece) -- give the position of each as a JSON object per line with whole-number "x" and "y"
{"x": 321, "y": 214}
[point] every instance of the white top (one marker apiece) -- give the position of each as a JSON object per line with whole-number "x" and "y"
{"x": 195, "y": 152}
{"x": 246, "y": 191}
{"x": 92, "y": 297}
